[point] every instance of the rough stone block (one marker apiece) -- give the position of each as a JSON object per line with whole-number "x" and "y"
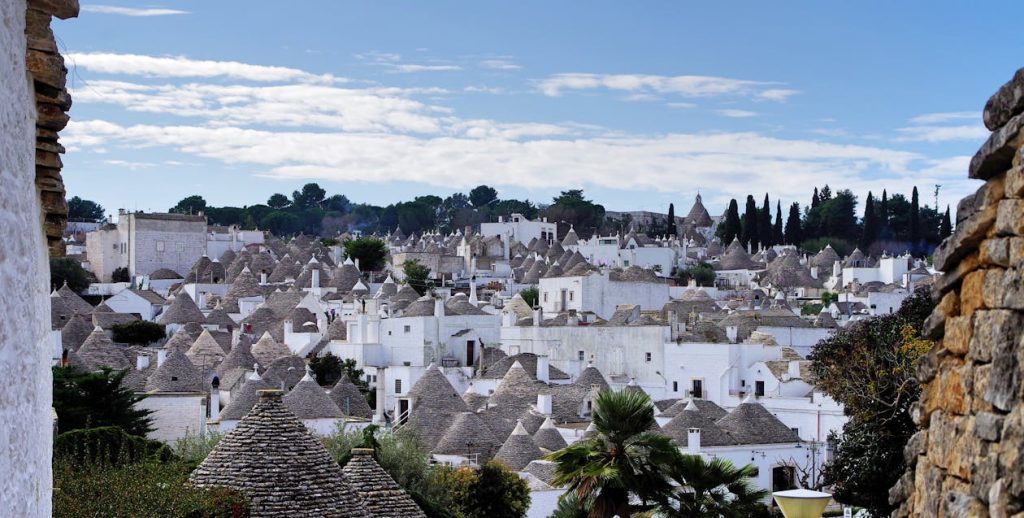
{"x": 934, "y": 326}
{"x": 992, "y": 327}
{"x": 980, "y": 384}
{"x": 988, "y": 426}
{"x": 965, "y": 238}
{"x": 1004, "y": 382}
{"x": 1011, "y": 462}
{"x": 1004, "y": 289}
{"x": 1013, "y": 187}
{"x": 1010, "y": 218}
{"x": 1005, "y": 103}
{"x": 971, "y": 296}
{"x": 62, "y": 9}
{"x": 995, "y": 251}
{"x": 927, "y": 366}
{"x": 38, "y": 34}
{"x": 957, "y": 339}
{"x": 1017, "y": 251}
{"x": 996, "y": 154}
{"x": 942, "y": 435}
{"x": 985, "y": 470}
{"x": 47, "y": 68}
{"x": 916, "y": 446}
{"x": 951, "y": 278}
{"x": 965, "y": 208}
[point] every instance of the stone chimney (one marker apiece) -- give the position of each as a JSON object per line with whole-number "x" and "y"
{"x": 693, "y": 441}
{"x": 544, "y": 404}
{"x": 543, "y": 366}
{"x": 141, "y": 362}
{"x": 161, "y": 356}
{"x": 538, "y": 316}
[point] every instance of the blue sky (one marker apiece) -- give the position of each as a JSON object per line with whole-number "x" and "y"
{"x": 638, "y": 103}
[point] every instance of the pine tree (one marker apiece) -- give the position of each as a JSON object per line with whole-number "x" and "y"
{"x": 777, "y": 235}
{"x": 946, "y": 226}
{"x": 730, "y": 228}
{"x": 870, "y": 223}
{"x": 671, "y": 219}
{"x": 825, "y": 194}
{"x": 764, "y": 223}
{"x": 749, "y": 235}
{"x": 794, "y": 234}
{"x": 915, "y": 221}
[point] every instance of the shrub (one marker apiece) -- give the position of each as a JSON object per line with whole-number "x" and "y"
{"x": 108, "y": 444}
{"x": 120, "y": 275}
{"x": 193, "y": 448}
{"x": 95, "y": 399}
{"x": 530, "y": 295}
{"x": 138, "y": 332}
{"x": 67, "y": 270}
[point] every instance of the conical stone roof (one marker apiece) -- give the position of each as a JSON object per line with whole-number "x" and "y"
{"x": 518, "y": 450}
{"x": 240, "y": 356}
{"x": 182, "y": 311}
{"x": 289, "y": 370}
{"x": 279, "y": 466}
{"x": 99, "y": 351}
{"x": 74, "y": 333}
{"x": 381, "y": 495}
{"x": 473, "y": 399}
{"x": 678, "y": 428}
{"x": 308, "y": 401}
{"x": 435, "y": 404}
{"x": 246, "y": 284}
{"x": 349, "y": 399}
{"x": 246, "y": 397}
{"x": 177, "y": 374}
{"x": 751, "y": 423}
{"x": 266, "y": 350}
{"x": 548, "y": 437}
{"x": 205, "y": 352}
{"x": 181, "y": 340}
{"x": 698, "y": 215}
{"x": 468, "y": 434}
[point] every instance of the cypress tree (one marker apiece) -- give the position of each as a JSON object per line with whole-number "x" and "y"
{"x": 750, "y": 223}
{"x": 730, "y": 228}
{"x": 777, "y": 236}
{"x": 815, "y": 199}
{"x": 825, "y": 194}
{"x": 671, "y": 219}
{"x": 946, "y": 226}
{"x": 764, "y": 223}
{"x": 915, "y": 221}
{"x": 883, "y": 216}
{"x": 870, "y": 223}
{"x": 794, "y": 234}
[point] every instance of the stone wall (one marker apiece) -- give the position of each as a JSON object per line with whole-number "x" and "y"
{"x": 25, "y": 401}
{"x": 968, "y": 457}
{"x": 52, "y": 100}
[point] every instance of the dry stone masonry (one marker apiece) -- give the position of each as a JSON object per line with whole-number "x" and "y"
{"x": 967, "y": 459}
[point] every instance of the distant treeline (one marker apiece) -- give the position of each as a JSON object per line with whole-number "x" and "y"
{"x": 891, "y": 223}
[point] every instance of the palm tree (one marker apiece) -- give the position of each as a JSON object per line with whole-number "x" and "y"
{"x": 624, "y": 461}
{"x": 712, "y": 488}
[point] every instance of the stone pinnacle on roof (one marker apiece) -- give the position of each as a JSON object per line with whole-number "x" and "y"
{"x": 205, "y": 352}
{"x": 548, "y": 437}
{"x": 381, "y": 495}
{"x": 272, "y": 459}
{"x": 468, "y": 434}
{"x": 266, "y": 349}
{"x": 240, "y": 356}
{"x": 183, "y": 310}
{"x": 519, "y": 449}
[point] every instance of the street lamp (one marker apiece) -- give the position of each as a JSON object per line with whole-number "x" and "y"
{"x": 801, "y": 503}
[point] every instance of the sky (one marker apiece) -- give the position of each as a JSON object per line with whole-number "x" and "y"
{"x": 641, "y": 104}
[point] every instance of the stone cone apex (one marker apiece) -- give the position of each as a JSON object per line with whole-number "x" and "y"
{"x": 381, "y": 495}
{"x": 548, "y": 437}
{"x": 519, "y": 449}
{"x": 292, "y": 474}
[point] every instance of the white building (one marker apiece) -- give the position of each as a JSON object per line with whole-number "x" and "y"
{"x": 517, "y": 227}
{"x": 221, "y": 239}
{"x": 601, "y": 293}
{"x": 146, "y": 242}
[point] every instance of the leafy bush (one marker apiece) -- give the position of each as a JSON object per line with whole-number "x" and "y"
{"x": 120, "y": 275}
{"x": 702, "y": 274}
{"x": 530, "y": 295}
{"x": 67, "y": 270}
{"x": 326, "y": 369}
{"x": 95, "y": 399}
{"x": 370, "y": 252}
{"x": 497, "y": 492}
{"x": 193, "y": 448}
{"x": 147, "y": 488}
{"x": 416, "y": 275}
{"x": 138, "y": 332}
{"x": 108, "y": 444}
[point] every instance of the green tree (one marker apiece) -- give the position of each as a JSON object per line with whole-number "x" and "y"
{"x": 189, "y": 205}
{"x": 778, "y": 236}
{"x": 915, "y": 221}
{"x": 326, "y": 369}
{"x": 671, "y": 219}
{"x": 571, "y": 208}
{"x": 764, "y": 223}
{"x": 370, "y": 252}
{"x": 482, "y": 195}
{"x": 67, "y": 270}
{"x": 497, "y": 492}
{"x": 138, "y": 332}
{"x": 281, "y": 223}
{"x": 794, "y": 233}
{"x": 85, "y": 210}
{"x": 622, "y": 469}
{"x": 278, "y": 201}
{"x": 712, "y": 488}
{"x": 870, "y": 223}
{"x": 883, "y": 216}
{"x": 731, "y": 228}
{"x": 311, "y": 195}
{"x": 120, "y": 274}
{"x": 337, "y": 203}
{"x": 868, "y": 367}
{"x": 530, "y": 295}
{"x": 749, "y": 236}
{"x": 946, "y": 227}
{"x": 703, "y": 274}
{"x": 416, "y": 275}
{"x": 91, "y": 399}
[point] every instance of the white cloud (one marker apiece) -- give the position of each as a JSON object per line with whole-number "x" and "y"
{"x": 409, "y": 68}
{"x": 737, "y": 114}
{"x": 686, "y": 86}
{"x": 935, "y": 118}
{"x": 133, "y": 166}
{"x": 681, "y": 105}
{"x": 499, "y": 64}
{"x": 129, "y": 11}
{"x": 943, "y": 133}
{"x": 181, "y": 67}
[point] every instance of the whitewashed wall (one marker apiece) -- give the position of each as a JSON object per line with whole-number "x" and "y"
{"x": 175, "y": 415}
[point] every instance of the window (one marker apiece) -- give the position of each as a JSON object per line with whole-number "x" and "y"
{"x": 406, "y": 329}
{"x": 796, "y": 431}
{"x": 759, "y": 388}
{"x": 398, "y": 386}
{"x": 570, "y": 295}
{"x": 159, "y": 246}
{"x": 675, "y": 386}
{"x": 647, "y": 357}
{"x": 698, "y": 389}
{"x": 582, "y": 356}
{"x": 179, "y": 247}
{"x": 625, "y": 263}
{"x": 545, "y": 296}
{"x": 114, "y": 246}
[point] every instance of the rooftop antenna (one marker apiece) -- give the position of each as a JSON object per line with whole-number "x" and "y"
{"x": 937, "y": 187}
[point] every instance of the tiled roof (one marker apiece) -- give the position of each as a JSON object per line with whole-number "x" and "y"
{"x": 279, "y": 466}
